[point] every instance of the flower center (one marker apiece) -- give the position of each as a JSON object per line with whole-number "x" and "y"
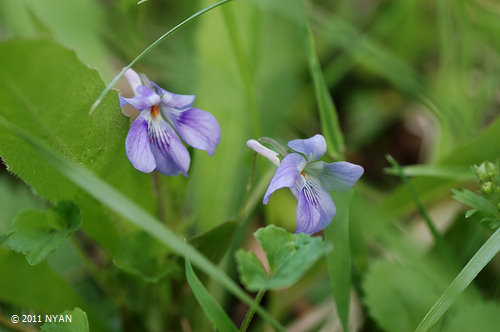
{"x": 155, "y": 111}
{"x": 303, "y": 174}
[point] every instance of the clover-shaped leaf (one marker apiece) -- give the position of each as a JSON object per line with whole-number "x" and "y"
{"x": 289, "y": 256}
{"x": 38, "y": 233}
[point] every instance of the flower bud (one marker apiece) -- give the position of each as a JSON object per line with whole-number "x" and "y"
{"x": 487, "y": 187}
{"x": 486, "y": 170}
{"x": 491, "y": 169}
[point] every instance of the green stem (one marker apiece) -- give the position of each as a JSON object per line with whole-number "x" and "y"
{"x": 159, "y": 192}
{"x": 149, "y": 48}
{"x": 438, "y": 239}
{"x": 251, "y": 311}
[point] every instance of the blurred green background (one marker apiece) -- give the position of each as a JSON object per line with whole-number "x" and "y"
{"x": 419, "y": 80}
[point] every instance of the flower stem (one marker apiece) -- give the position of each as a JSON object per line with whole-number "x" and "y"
{"x": 274, "y": 143}
{"x": 251, "y": 311}
{"x": 160, "y": 196}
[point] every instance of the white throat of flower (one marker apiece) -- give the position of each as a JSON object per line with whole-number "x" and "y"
{"x": 263, "y": 151}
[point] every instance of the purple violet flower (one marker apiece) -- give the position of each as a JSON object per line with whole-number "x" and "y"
{"x": 309, "y": 180}
{"x": 152, "y": 143}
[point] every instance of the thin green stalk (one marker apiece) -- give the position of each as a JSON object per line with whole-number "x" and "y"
{"x": 159, "y": 192}
{"x": 244, "y": 68}
{"x": 149, "y": 48}
{"x": 438, "y": 239}
{"x": 482, "y": 257}
{"x": 330, "y": 125}
{"x": 274, "y": 143}
{"x": 430, "y": 224}
{"x": 251, "y": 312}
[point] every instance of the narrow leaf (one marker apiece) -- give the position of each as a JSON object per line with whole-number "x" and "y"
{"x": 452, "y": 172}
{"x": 328, "y": 114}
{"x": 210, "y": 307}
{"x": 482, "y": 257}
{"x": 123, "y": 206}
{"x": 339, "y": 260}
{"x": 476, "y": 201}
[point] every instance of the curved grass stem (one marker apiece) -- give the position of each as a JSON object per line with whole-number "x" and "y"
{"x": 149, "y": 48}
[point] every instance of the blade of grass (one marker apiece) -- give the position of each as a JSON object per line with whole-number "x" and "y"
{"x": 339, "y": 260}
{"x": 327, "y": 111}
{"x": 211, "y": 308}
{"x": 150, "y": 47}
{"x": 453, "y": 172}
{"x": 482, "y": 257}
{"x": 441, "y": 244}
{"x": 123, "y": 206}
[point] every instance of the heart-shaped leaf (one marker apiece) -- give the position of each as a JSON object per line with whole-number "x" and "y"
{"x": 38, "y": 233}
{"x": 289, "y": 256}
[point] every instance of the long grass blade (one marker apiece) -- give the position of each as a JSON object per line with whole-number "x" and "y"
{"x": 339, "y": 260}
{"x": 482, "y": 257}
{"x": 210, "y": 307}
{"x": 327, "y": 111}
{"x": 150, "y": 47}
{"x": 123, "y": 206}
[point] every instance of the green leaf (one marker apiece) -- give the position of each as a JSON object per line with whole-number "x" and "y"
{"x": 482, "y": 257}
{"x": 123, "y": 206}
{"x": 478, "y": 202}
{"x": 210, "y": 307}
{"x": 47, "y": 91}
{"x": 339, "y": 260}
{"x": 69, "y": 321}
{"x": 397, "y": 295}
{"x": 14, "y": 198}
{"x": 213, "y": 243}
{"x": 475, "y": 317}
{"x": 4, "y": 237}
{"x": 289, "y": 256}
{"x": 328, "y": 114}
{"x": 36, "y": 234}
{"x": 143, "y": 256}
{"x": 38, "y": 288}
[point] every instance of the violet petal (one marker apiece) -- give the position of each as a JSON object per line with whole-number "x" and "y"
{"x": 144, "y": 99}
{"x": 314, "y": 147}
{"x": 338, "y": 176}
{"x": 287, "y": 174}
{"x": 170, "y": 154}
{"x": 138, "y": 147}
{"x": 198, "y": 128}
